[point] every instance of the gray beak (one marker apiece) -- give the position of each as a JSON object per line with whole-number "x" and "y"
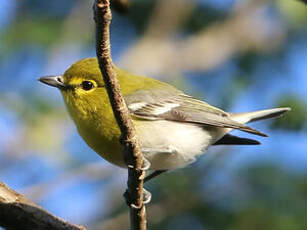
{"x": 55, "y": 81}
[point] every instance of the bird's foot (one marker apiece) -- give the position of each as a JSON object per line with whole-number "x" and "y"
{"x": 145, "y": 166}
{"x": 130, "y": 203}
{"x": 146, "y": 196}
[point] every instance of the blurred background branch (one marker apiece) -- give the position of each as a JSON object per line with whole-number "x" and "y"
{"x": 243, "y": 31}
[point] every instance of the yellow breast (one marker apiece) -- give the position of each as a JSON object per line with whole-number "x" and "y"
{"x": 97, "y": 127}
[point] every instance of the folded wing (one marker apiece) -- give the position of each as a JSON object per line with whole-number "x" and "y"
{"x": 174, "y": 106}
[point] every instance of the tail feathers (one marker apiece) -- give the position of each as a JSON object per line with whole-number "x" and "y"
{"x": 252, "y": 131}
{"x": 258, "y": 115}
{"x": 234, "y": 140}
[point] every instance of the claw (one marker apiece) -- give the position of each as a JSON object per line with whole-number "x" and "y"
{"x": 146, "y": 164}
{"x": 146, "y": 198}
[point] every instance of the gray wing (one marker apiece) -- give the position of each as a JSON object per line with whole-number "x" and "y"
{"x": 176, "y": 106}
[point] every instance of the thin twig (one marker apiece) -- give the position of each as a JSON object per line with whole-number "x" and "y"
{"x": 17, "y": 212}
{"x": 132, "y": 150}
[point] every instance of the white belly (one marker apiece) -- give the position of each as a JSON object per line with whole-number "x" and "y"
{"x": 187, "y": 140}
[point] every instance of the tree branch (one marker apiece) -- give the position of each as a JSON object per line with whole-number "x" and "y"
{"x": 17, "y": 212}
{"x": 132, "y": 150}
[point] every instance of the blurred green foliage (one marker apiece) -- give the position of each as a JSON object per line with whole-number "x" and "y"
{"x": 34, "y": 32}
{"x": 201, "y": 17}
{"x": 295, "y": 120}
{"x": 140, "y": 12}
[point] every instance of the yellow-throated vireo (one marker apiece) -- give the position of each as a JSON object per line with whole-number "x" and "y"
{"x": 173, "y": 128}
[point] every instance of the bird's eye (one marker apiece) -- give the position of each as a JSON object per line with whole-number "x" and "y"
{"x": 87, "y": 85}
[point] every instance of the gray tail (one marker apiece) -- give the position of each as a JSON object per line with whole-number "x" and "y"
{"x": 250, "y": 117}
{"x": 258, "y": 115}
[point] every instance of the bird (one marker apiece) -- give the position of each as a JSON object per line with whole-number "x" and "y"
{"x": 173, "y": 128}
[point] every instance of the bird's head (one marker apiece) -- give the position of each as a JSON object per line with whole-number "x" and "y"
{"x": 82, "y": 88}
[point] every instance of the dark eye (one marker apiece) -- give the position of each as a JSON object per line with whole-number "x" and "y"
{"x": 87, "y": 85}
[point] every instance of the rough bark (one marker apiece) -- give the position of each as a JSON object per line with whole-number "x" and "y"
{"x": 132, "y": 150}
{"x": 17, "y": 212}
